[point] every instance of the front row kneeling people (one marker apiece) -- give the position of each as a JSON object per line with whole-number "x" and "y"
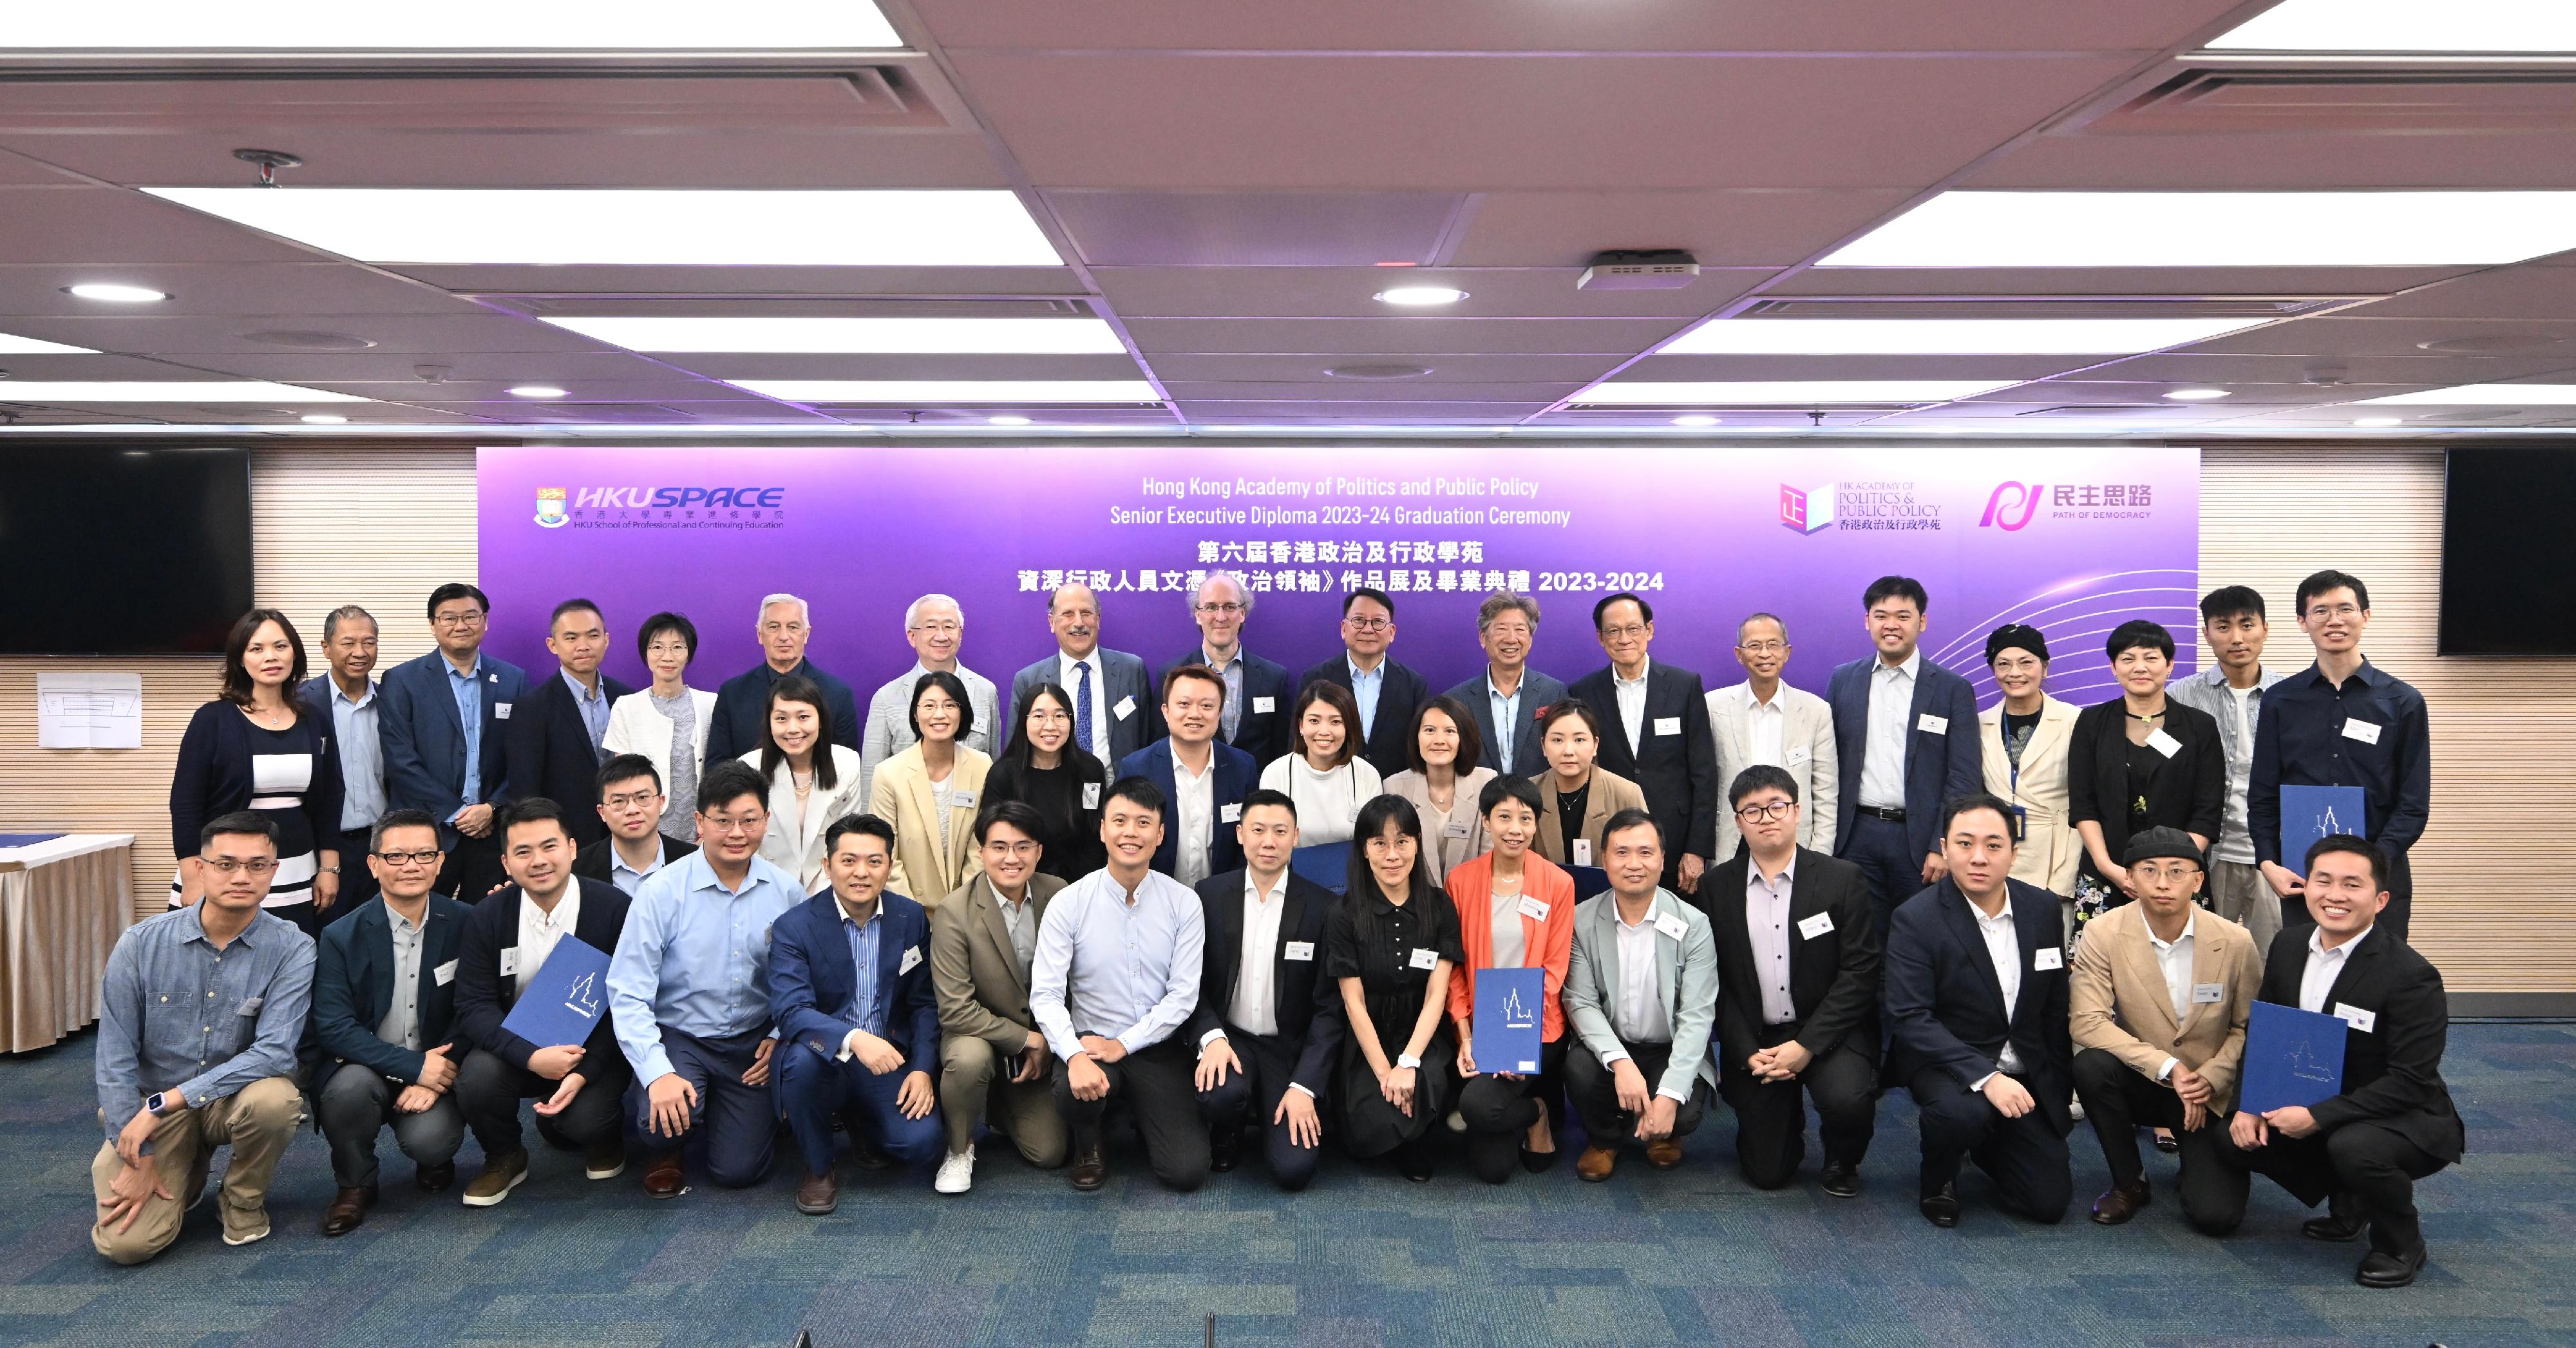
{"x": 1641, "y": 993}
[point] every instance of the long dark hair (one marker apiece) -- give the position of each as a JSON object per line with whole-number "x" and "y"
{"x": 1373, "y": 819}
{"x": 237, "y": 684}
{"x": 798, "y": 688}
{"x": 1338, "y": 698}
{"x": 1020, "y": 751}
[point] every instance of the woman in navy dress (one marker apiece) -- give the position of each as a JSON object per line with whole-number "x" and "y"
{"x": 258, "y": 747}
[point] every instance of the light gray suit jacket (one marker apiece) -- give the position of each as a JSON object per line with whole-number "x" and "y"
{"x": 1685, "y": 975}
{"x": 1806, "y": 740}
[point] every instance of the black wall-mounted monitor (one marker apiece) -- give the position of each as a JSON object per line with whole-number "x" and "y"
{"x": 2509, "y": 551}
{"x": 107, "y": 550}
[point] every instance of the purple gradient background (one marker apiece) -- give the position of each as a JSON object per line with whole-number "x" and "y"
{"x": 869, "y": 529}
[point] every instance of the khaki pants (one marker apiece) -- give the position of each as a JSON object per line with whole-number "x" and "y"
{"x": 257, "y": 1123}
{"x": 2238, "y": 893}
{"x": 971, "y": 1073}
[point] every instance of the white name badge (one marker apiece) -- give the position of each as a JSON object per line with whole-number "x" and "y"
{"x": 2356, "y": 729}
{"x": 965, "y": 800}
{"x": 1091, "y": 795}
{"x": 2164, "y": 744}
{"x": 1533, "y": 909}
{"x": 1126, "y": 707}
{"x": 1424, "y": 957}
{"x": 911, "y": 957}
{"x": 1933, "y": 725}
{"x": 2207, "y": 994}
{"x": 500, "y": 711}
{"x": 444, "y": 974}
{"x": 2046, "y": 958}
{"x": 1583, "y": 851}
{"x": 1672, "y": 926}
{"x": 1230, "y": 813}
{"x": 1813, "y": 927}
{"x": 1668, "y": 725}
{"x": 1455, "y": 828}
{"x": 1263, "y": 706}
{"x": 509, "y": 961}
{"x": 1301, "y": 951}
{"x": 1798, "y": 755}
{"x": 2354, "y": 1016}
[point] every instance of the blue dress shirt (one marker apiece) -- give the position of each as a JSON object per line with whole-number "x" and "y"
{"x": 177, "y": 1013}
{"x": 694, "y": 957}
{"x": 468, "y": 690}
{"x": 1112, "y": 967}
{"x": 1507, "y": 718}
{"x": 1364, "y": 690}
{"x": 592, "y": 703}
{"x": 362, "y": 759}
{"x": 2370, "y": 733}
{"x": 864, "y": 1009}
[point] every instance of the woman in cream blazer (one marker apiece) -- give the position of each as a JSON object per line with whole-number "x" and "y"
{"x": 794, "y": 843}
{"x": 2050, "y": 849}
{"x": 934, "y": 827}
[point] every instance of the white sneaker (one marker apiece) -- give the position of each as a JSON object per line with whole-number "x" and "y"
{"x": 2075, "y": 1111}
{"x": 956, "y": 1172}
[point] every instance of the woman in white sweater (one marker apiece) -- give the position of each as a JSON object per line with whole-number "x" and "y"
{"x": 1445, "y": 783}
{"x": 812, "y": 781}
{"x": 1325, "y": 775}
{"x": 667, "y": 722}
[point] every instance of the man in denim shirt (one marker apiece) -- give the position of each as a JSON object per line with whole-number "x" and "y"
{"x": 197, "y": 1029}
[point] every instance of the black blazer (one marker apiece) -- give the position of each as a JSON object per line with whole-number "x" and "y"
{"x": 550, "y": 753}
{"x": 1398, "y": 698}
{"x": 483, "y": 999}
{"x": 2187, "y": 791}
{"x": 1262, "y": 734}
{"x": 1678, "y": 771}
{"x": 1946, "y": 1008}
{"x": 353, "y": 988}
{"x": 1309, "y": 1005}
{"x": 1833, "y": 977}
{"x": 2392, "y": 1074}
{"x": 591, "y": 862}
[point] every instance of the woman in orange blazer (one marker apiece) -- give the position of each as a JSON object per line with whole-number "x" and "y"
{"x": 1515, "y": 911}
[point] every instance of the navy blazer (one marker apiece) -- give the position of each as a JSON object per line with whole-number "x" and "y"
{"x": 1308, "y": 1004}
{"x": 1677, "y": 771}
{"x": 1262, "y": 734}
{"x": 742, "y": 709}
{"x": 424, "y": 741}
{"x": 1945, "y": 1007}
{"x": 1236, "y": 777}
{"x": 213, "y": 775}
{"x": 1937, "y": 766}
{"x": 811, "y": 978}
{"x": 1399, "y": 696}
{"x": 353, "y": 988}
{"x": 1538, "y": 693}
{"x": 484, "y": 997}
{"x": 1122, "y": 676}
{"x": 550, "y": 753}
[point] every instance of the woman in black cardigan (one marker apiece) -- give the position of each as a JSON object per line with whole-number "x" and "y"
{"x": 2139, "y": 760}
{"x": 258, "y": 747}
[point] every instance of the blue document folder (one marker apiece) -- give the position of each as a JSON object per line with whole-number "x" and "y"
{"x": 2312, "y": 812}
{"x": 1508, "y": 1019}
{"x": 1327, "y": 864}
{"x": 564, "y": 1002}
{"x": 2292, "y": 1057}
{"x": 1588, "y": 881}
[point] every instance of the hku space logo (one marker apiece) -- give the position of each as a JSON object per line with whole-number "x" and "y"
{"x": 662, "y": 507}
{"x": 550, "y": 508}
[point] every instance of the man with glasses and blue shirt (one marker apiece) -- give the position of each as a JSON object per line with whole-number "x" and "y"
{"x": 1508, "y": 698}
{"x": 444, "y": 720}
{"x": 1257, "y": 691}
{"x": 1387, "y": 691}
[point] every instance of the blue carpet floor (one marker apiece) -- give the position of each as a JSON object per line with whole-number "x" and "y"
{"x": 1362, "y": 1260}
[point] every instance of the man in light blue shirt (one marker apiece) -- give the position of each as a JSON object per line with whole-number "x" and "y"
{"x": 1117, "y": 971}
{"x": 347, "y": 694}
{"x": 1508, "y": 698}
{"x": 688, "y": 991}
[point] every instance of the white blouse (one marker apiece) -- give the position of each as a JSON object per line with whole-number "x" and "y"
{"x": 1328, "y": 803}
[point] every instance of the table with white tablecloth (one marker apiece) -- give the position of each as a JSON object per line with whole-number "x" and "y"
{"x": 63, "y": 903}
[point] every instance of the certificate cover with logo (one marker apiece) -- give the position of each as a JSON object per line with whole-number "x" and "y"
{"x": 1507, "y": 1028}
{"x": 2312, "y": 812}
{"x": 564, "y": 1002}
{"x": 2292, "y": 1057}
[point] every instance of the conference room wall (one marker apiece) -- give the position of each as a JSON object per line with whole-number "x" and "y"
{"x": 380, "y": 526}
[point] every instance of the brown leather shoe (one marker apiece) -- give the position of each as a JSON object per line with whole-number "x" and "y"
{"x": 663, "y": 1177}
{"x": 1090, "y": 1169}
{"x": 1663, "y": 1153}
{"x": 1596, "y": 1163}
{"x": 2121, "y": 1202}
{"x": 818, "y": 1195}
{"x": 348, "y": 1209}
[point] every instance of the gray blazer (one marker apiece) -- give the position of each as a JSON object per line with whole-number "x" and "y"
{"x": 1685, "y": 972}
{"x": 1806, "y": 740}
{"x": 1122, "y": 675}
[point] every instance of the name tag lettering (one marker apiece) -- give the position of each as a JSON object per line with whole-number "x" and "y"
{"x": 509, "y": 961}
{"x": 2207, "y": 994}
{"x": 1301, "y": 951}
{"x": 2354, "y": 728}
{"x": 1798, "y": 755}
{"x": 2046, "y": 958}
{"x": 444, "y": 974}
{"x": 1455, "y": 828}
{"x": 1230, "y": 812}
{"x": 1423, "y": 957}
{"x": 911, "y": 957}
{"x": 1263, "y": 706}
{"x": 1533, "y": 909}
{"x": 1672, "y": 926}
{"x": 1091, "y": 795}
{"x": 2354, "y": 1016}
{"x": 1126, "y": 707}
{"x": 2164, "y": 744}
{"x": 250, "y": 1006}
{"x": 500, "y": 711}
{"x": 1583, "y": 851}
{"x": 1933, "y": 725}
{"x": 1668, "y": 725}
{"x": 962, "y": 800}
{"x": 1813, "y": 927}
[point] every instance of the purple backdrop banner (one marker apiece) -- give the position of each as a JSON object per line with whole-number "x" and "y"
{"x": 2071, "y": 540}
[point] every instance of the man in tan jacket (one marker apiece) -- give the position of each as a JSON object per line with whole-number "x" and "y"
{"x": 2158, "y": 998}
{"x": 983, "y": 940}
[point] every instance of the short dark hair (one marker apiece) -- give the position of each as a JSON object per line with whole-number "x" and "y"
{"x": 1568, "y": 706}
{"x": 1757, "y": 777}
{"x": 1019, "y": 814}
{"x": 1138, "y": 791}
{"x": 1471, "y": 741}
{"x": 573, "y": 606}
{"x": 1644, "y": 609}
{"x": 1192, "y": 669}
{"x": 394, "y": 819}
{"x": 2232, "y": 601}
{"x": 237, "y": 682}
{"x": 729, "y": 781}
{"x": 2324, "y": 581}
{"x": 1970, "y": 803}
{"x": 857, "y": 823}
{"x": 619, "y": 768}
{"x": 1364, "y": 592}
{"x": 1338, "y": 698}
{"x": 2138, "y": 632}
{"x": 453, "y": 590}
{"x": 239, "y": 821}
{"x": 1265, "y": 796}
{"x": 667, "y": 622}
{"x": 1380, "y": 811}
{"x": 947, "y": 683}
{"x": 798, "y": 688}
{"x": 1628, "y": 819}
{"x": 531, "y": 810}
{"x": 1895, "y": 587}
{"x": 2359, "y": 846}
{"x": 1507, "y": 787}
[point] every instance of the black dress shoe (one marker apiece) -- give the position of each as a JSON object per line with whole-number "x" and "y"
{"x": 2333, "y": 1228}
{"x": 348, "y": 1209}
{"x": 1413, "y": 1159}
{"x": 1090, "y": 1169}
{"x": 2121, "y": 1202}
{"x": 1942, "y": 1208}
{"x": 1225, "y": 1149}
{"x": 2168, "y": 1143}
{"x": 1841, "y": 1179}
{"x": 435, "y": 1179}
{"x": 865, "y": 1154}
{"x": 1539, "y": 1162}
{"x": 2389, "y": 1270}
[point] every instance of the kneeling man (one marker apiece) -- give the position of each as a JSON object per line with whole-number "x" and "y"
{"x": 1267, "y": 1026}
{"x": 1641, "y": 993}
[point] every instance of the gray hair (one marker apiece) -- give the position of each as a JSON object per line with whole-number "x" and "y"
{"x": 1501, "y": 602}
{"x": 912, "y": 612}
{"x": 802, "y": 611}
{"x": 1752, "y": 618}
{"x": 1058, "y": 593}
{"x": 1241, "y": 589}
{"x": 332, "y": 620}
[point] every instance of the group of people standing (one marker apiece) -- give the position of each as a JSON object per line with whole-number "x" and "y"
{"x": 900, "y": 926}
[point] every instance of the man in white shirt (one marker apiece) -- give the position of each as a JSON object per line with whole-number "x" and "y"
{"x": 1641, "y": 995}
{"x": 1765, "y": 721}
{"x": 1111, "y": 694}
{"x": 935, "y": 627}
{"x": 1907, "y": 734}
{"x": 630, "y": 804}
{"x": 2230, "y": 688}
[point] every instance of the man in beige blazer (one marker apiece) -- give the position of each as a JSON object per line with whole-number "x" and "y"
{"x": 983, "y": 940}
{"x": 2157, "y": 999}
{"x": 1763, "y": 720}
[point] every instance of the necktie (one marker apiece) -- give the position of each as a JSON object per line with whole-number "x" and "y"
{"x": 1082, "y": 706}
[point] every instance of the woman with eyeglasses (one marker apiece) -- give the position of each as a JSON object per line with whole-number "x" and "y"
{"x": 1445, "y": 783}
{"x": 2140, "y": 760}
{"x": 1392, "y": 944}
{"x": 256, "y": 747}
{"x": 931, "y": 791}
{"x": 812, "y": 781}
{"x": 668, "y": 721}
{"x": 1325, "y": 775}
{"x": 1576, "y": 798}
{"x": 1041, "y": 770}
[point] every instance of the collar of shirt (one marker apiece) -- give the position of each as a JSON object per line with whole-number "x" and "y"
{"x": 1065, "y": 662}
{"x": 1754, "y": 703}
{"x": 2190, "y": 920}
{"x": 1755, "y": 879}
{"x": 1912, "y": 667}
{"x": 1654, "y": 909}
{"x": 1220, "y": 665}
{"x": 2368, "y": 676}
{"x": 1360, "y": 676}
{"x": 702, "y": 875}
{"x": 466, "y": 675}
{"x": 1644, "y": 668}
{"x": 2002, "y": 918}
{"x": 1495, "y": 692}
{"x": 849, "y": 923}
{"x": 617, "y": 860}
{"x": 2317, "y": 942}
{"x": 581, "y": 694}
{"x": 340, "y": 696}
{"x": 1252, "y": 890}
{"x": 403, "y": 924}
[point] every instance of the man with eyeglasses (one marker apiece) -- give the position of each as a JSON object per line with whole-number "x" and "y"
{"x": 1656, "y": 735}
{"x": 1113, "y": 699}
{"x": 579, "y": 1088}
{"x": 1257, "y": 693}
{"x": 1765, "y": 721}
{"x": 1387, "y": 691}
{"x": 445, "y": 728}
{"x": 785, "y": 625}
{"x": 983, "y": 950}
{"x": 384, "y": 1016}
{"x": 936, "y": 629}
{"x": 630, "y": 804}
{"x": 200, "y": 1013}
{"x": 2342, "y": 721}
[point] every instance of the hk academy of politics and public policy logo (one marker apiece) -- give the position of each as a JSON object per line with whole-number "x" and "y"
{"x": 1807, "y": 509}
{"x": 1885, "y": 507}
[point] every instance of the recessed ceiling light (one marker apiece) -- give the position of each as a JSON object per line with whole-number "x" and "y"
{"x": 2486, "y": 395}
{"x": 536, "y": 391}
{"x": 166, "y": 391}
{"x": 640, "y": 227}
{"x": 29, "y": 346}
{"x": 324, "y": 419}
{"x": 1018, "y": 336}
{"x": 934, "y": 392}
{"x": 2407, "y": 26}
{"x": 1417, "y": 296}
{"x": 1947, "y": 336}
{"x": 507, "y": 25}
{"x": 1695, "y": 419}
{"x": 2196, "y": 395}
{"x": 2378, "y": 421}
{"x": 1789, "y": 392}
{"x": 2216, "y": 229}
{"x": 1008, "y": 421}
{"x": 114, "y": 294}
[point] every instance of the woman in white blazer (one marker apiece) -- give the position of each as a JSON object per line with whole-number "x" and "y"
{"x": 1446, "y": 785}
{"x": 812, "y": 781}
{"x": 930, "y": 793}
{"x": 667, "y": 722}
{"x": 1806, "y": 726}
{"x": 2026, "y": 760}
{"x": 1324, "y": 773}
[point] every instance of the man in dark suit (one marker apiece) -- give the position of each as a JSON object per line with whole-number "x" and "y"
{"x": 1906, "y": 730}
{"x": 555, "y": 731}
{"x": 1268, "y": 1024}
{"x": 629, "y": 790}
{"x": 1509, "y": 696}
{"x": 742, "y": 702}
{"x": 1112, "y": 695}
{"x": 1976, "y": 1002}
{"x": 858, "y": 1022}
{"x": 444, "y": 728}
{"x": 344, "y": 695}
{"x": 579, "y": 1088}
{"x": 1655, "y": 733}
{"x": 1203, "y": 782}
{"x": 1387, "y": 691}
{"x": 384, "y": 1011}
{"x": 1257, "y": 691}
{"x": 1798, "y": 971}
{"x": 2393, "y": 1123}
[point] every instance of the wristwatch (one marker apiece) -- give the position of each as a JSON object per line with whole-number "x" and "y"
{"x": 158, "y": 1104}
{"x": 1408, "y": 1060}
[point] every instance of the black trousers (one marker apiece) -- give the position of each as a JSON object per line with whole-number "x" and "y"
{"x": 357, "y": 882}
{"x": 2392, "y": 919}
{"x": 2118, "y": 1101}
{"x": 489, "y": 1089}
{"x": 1156, "y": 1085}
{"x": 2025, "y": 1157}
{"x": 2368, "y": 1169}
{"x": 473, "y": 869}
{"x": 1593, "y": 1090}
{"x": 1499, "y": 1111}
{"x": 1269, "y": 1060}
{"x": 1887, "y": 860}
{"x": 1771, "y": 1116}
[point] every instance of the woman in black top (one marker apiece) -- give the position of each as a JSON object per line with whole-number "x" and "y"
{"x": 1061, "y": 783}
{"x": 2138, "y": 761}
{"x": 258, "y": 747}
{"x": 1392, "y": 943}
